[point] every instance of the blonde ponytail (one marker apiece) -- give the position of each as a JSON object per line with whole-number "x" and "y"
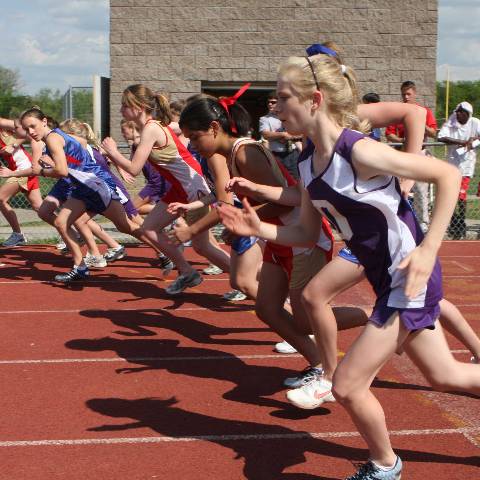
{"x": 337, "y": 81}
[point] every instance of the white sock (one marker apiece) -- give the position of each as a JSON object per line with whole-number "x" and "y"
{"x": 384, "y": 468}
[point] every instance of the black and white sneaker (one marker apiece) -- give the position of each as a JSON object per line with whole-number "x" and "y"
{"x": 165, "y": 263}
{"x": 74, "y": 274}
{"x": 371, "y": 471}
{"x": 305, "y": 376}
{"x": 113, "y": 254}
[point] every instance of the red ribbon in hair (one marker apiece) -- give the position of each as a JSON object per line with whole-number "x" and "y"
{"x": 227, "y": 102}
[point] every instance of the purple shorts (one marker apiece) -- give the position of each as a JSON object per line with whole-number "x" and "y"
{"x": 61, "y": 190}
{"x": 125, "y": 200}
{"x": 153, "y": 192}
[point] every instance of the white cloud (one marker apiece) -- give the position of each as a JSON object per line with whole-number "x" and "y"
{"x": 459, "y": 39}
{"x": 56, "y": 47}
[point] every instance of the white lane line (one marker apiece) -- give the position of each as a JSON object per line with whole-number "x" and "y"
{"x": 225, "y": 438}
{"x": 145, "y": 359}
{"x": 158, "y": 359}
{"x": 77, "y": 310}
{"x": 181, "y": 309}
{"x": 92, "y": 280}
{"x": 154, "y": 280}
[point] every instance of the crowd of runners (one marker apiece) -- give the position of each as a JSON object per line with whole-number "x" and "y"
{"x": 201, "y": 167}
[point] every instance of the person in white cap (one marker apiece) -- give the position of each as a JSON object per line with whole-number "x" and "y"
{"x": 461, "y": 132}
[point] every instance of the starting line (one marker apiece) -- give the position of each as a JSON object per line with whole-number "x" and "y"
{"x": 467, "y": 432}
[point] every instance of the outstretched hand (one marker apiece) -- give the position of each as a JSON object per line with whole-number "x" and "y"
{"x": 5, "y": 172}
{"x": 241, "y": 186}
{"x": 418, "y": 265}
{"x": 109, "y": 145}
{"x": 240, "y": 221}
{"x": 177, "y": 208}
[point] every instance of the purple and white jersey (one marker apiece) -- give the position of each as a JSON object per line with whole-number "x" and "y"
{"x": 379, "y": 227}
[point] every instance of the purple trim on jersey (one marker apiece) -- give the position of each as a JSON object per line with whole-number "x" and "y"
{"x": 406, "y": 213}
{"x": 364, "y": 242}
{"x": 369, "y": 235}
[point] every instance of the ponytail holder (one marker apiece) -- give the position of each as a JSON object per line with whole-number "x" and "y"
{"x": 344, "y": 69}
{"x": 227, "y": 102}
{"x": 318, "y": 48}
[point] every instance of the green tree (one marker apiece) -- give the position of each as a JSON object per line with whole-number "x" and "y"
{"x": 13, "y": 102}
{"x": 9, "y": 80}
{"x": 464, "y": 91}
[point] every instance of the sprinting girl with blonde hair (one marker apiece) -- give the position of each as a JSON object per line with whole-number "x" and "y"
{"x": 352, "y": 180}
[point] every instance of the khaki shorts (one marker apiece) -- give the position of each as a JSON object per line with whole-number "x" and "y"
{"x": 305, "y": 266}
{"x": 21, "y": 181}
{"x": 193, "y": 216}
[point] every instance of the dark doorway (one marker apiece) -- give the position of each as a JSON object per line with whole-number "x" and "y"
{"x": 254, "y": 99}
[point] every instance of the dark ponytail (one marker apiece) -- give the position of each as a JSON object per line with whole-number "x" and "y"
{"x": 200, "y": 113}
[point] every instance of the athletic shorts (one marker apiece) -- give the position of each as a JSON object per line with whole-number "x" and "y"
{"x": 96, "y": 201}
{"x": 61, "y": 190}
{"x": 242, "y": 244}
{"x": 193, "y": 216}
{"x": 462, "y": 195}
{"x": 154, "y": 192}
{"x": 26, "y": 184}
{"x": 346, "y": 254}
{"x": 126, "y": 201}
{"x": 300, "y": 268}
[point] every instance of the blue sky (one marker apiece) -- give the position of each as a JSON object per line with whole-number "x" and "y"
{"x": 56, "y": 44}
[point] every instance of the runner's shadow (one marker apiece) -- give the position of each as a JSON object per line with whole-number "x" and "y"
{"x": 266, "y": 450}
{"x": 253, "y": 384}
{"x": 410, "y": 386}
{"x": 146, "y": 322}
{"x": 143, "y": 289}
{"x": 28, "y": 262}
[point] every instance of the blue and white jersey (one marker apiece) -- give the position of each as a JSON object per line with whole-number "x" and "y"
{"x": 82, "y": 168}
{"x": 375, "y": 221}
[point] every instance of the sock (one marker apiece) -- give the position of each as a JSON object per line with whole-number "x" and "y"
{"x": 383, "y": 468}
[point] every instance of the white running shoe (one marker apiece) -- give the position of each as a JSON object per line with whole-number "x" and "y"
{"x": 284, "y": 347}
{"x": 311, "y": 395}
{"x": 234, "y": 296}
{"x": 60, "y": 245}
{"x": 212, "y": 270}
{"x": 15, "y": 240}
{"x": 91, "y": 261}
{"x": 113, "y": 254}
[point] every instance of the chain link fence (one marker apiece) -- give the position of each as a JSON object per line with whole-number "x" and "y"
{"x": 465, "y": 223}
{"x": 77, "y": 102}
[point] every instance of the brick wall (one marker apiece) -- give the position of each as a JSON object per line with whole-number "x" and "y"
{"x": 174, "y": 45}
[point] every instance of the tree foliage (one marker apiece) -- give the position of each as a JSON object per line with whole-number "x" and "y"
{"x": 464, "y": 91}
{"x": 51, "y": 102}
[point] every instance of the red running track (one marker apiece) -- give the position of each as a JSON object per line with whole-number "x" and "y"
{"x": 112, "y": 379}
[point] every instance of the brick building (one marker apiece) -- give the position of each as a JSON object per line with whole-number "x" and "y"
{"x": 185, "y": 47}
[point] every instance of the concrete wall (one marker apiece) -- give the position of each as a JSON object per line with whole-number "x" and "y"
{"x": 174, "y": 45}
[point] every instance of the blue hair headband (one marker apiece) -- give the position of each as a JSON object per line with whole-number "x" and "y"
{"x": 318, "y": 48}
